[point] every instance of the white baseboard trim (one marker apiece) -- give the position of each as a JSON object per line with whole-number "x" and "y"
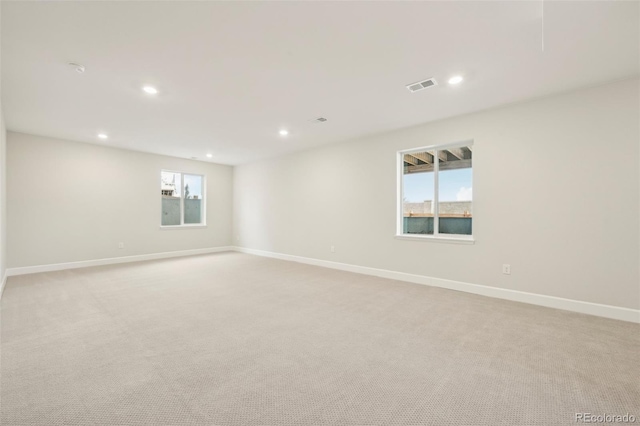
{"x": 4, "y": 282}
{"x": 607, "y": 311}
{"x": 111, "y": 260}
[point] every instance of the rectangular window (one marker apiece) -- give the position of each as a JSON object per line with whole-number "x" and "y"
{"x": 183, "y": 202}
{"x": 435, "y": 192}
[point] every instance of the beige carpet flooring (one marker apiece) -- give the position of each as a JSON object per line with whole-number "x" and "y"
{"x": 234, "y": 339}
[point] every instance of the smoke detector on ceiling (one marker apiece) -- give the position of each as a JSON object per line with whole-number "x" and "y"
{"x": 79, "y": 68}
{"x": 421, "y": 85}
{"x": 318, "y": 120}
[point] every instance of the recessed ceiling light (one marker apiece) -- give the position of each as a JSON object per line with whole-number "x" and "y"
{"x": 209, "y": 155}
{"x": 284, "y": 132}
{"x": 456, "y": 79}
{"x": 103, "y": 136}
{"x": 150, "y": 90}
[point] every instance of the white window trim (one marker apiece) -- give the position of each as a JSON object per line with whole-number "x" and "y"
{"x": 450, "y": 238}
{"x": 186, "y": 226}
{"x": 436, "y": 237}
{"x": 203, "y": 213}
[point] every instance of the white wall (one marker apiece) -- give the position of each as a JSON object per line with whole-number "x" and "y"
{"x": 539, "y": 169}
{"x": 3, "y": 186}
{"x": 3, "y": 197}
{"x": 70, "y": 201}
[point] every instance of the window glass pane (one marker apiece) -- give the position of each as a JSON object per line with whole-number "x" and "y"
{"x": 192, "y": 199}
{"x": 455, "y": 190}
{"x": 170, "y": 191}
{"x": 417, "y": 193}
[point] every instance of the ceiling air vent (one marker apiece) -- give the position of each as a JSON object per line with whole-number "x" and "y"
{"x": 415, "y": 87}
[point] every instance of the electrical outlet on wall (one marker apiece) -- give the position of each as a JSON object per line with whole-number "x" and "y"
{"x": 506, "y": 269}
{"x": 332, "y": 249}
{"x": 120, "y": 245}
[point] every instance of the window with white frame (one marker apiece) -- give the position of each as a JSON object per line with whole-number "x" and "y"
{"x": 183, "y": 202}
{"x": 435, "y": 192}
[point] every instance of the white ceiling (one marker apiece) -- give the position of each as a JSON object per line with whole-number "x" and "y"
{"x": 231, "y": 75}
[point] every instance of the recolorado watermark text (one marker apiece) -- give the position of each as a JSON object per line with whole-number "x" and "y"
{"x": 605, "y": 418}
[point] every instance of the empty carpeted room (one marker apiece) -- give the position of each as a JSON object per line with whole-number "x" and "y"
{"x": 307, "y": 213}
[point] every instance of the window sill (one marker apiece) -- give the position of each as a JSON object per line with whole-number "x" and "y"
{"x": 172, "y": 227}
{"x": 439, "y": 239}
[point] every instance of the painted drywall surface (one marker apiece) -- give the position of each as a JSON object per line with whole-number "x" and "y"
{"x": 3, "y": 196}
{"x": 70, "y": 201}
{"x": 3, "y": 186}
{"x": 3, "y": 180}
{"x": 556, "y": 196}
